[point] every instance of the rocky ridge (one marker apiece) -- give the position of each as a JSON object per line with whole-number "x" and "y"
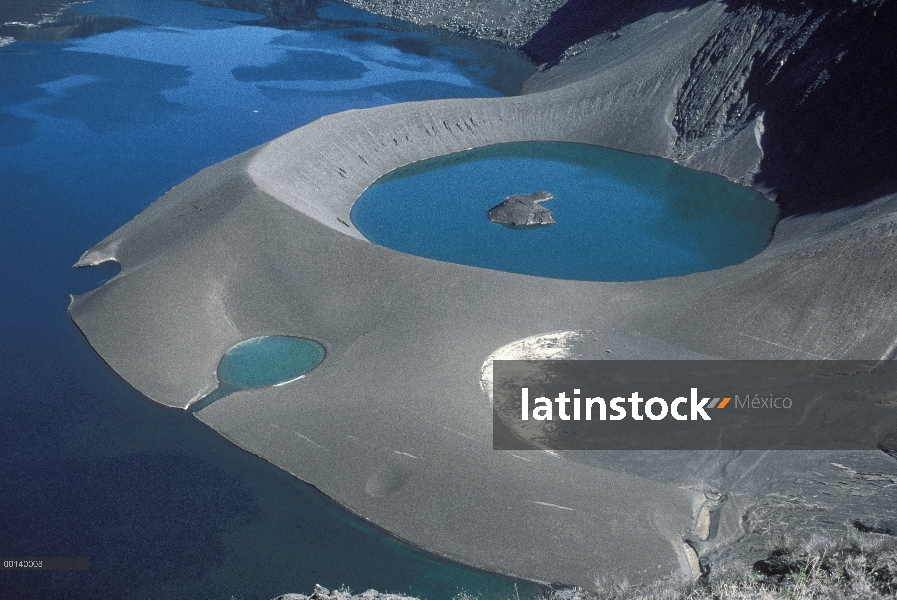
{"x": 512, "y": 22}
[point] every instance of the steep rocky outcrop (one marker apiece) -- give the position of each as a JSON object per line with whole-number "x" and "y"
{"x": 512, "y": 22}
{"x": 822, "y": 82}
{"x": 31, "y": 12}
{"x": 580, "y": 20}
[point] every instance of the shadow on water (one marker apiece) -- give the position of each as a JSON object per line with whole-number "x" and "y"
{"x": 304, "y": 66}
{"x": 413, "y": 46}
{"x": 15, "y": 130}
{"x": 502, "y": 68}
{"x": 197, "y": 16}
{"x": 105, "y": 92}
{"x": 127, "y": 92}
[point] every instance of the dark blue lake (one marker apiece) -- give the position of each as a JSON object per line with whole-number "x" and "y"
{"x": 618, "y": 216}
{"x": 91, "y": 131}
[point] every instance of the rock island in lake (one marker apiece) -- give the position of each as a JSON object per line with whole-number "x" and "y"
{"x": 523, "y": 210}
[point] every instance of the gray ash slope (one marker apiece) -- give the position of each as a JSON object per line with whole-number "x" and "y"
{"x": 813, "y": 83}
{"x": 819, "y": 76}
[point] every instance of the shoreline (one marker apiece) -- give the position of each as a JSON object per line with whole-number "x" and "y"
{"x": 19, "y": 15}
{"x": 50, "y": 20}
{"x": 31, "y": 12}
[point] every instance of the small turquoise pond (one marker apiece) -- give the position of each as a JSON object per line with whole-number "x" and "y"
{"x": 618, "y": 216}
{"x": 263, "y": 362}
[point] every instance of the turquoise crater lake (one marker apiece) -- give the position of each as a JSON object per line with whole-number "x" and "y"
{"x": 263, "y": 362}
{"x": 618, "y": 216}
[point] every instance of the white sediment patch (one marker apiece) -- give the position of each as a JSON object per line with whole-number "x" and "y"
{"x": 547, "y": 346}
